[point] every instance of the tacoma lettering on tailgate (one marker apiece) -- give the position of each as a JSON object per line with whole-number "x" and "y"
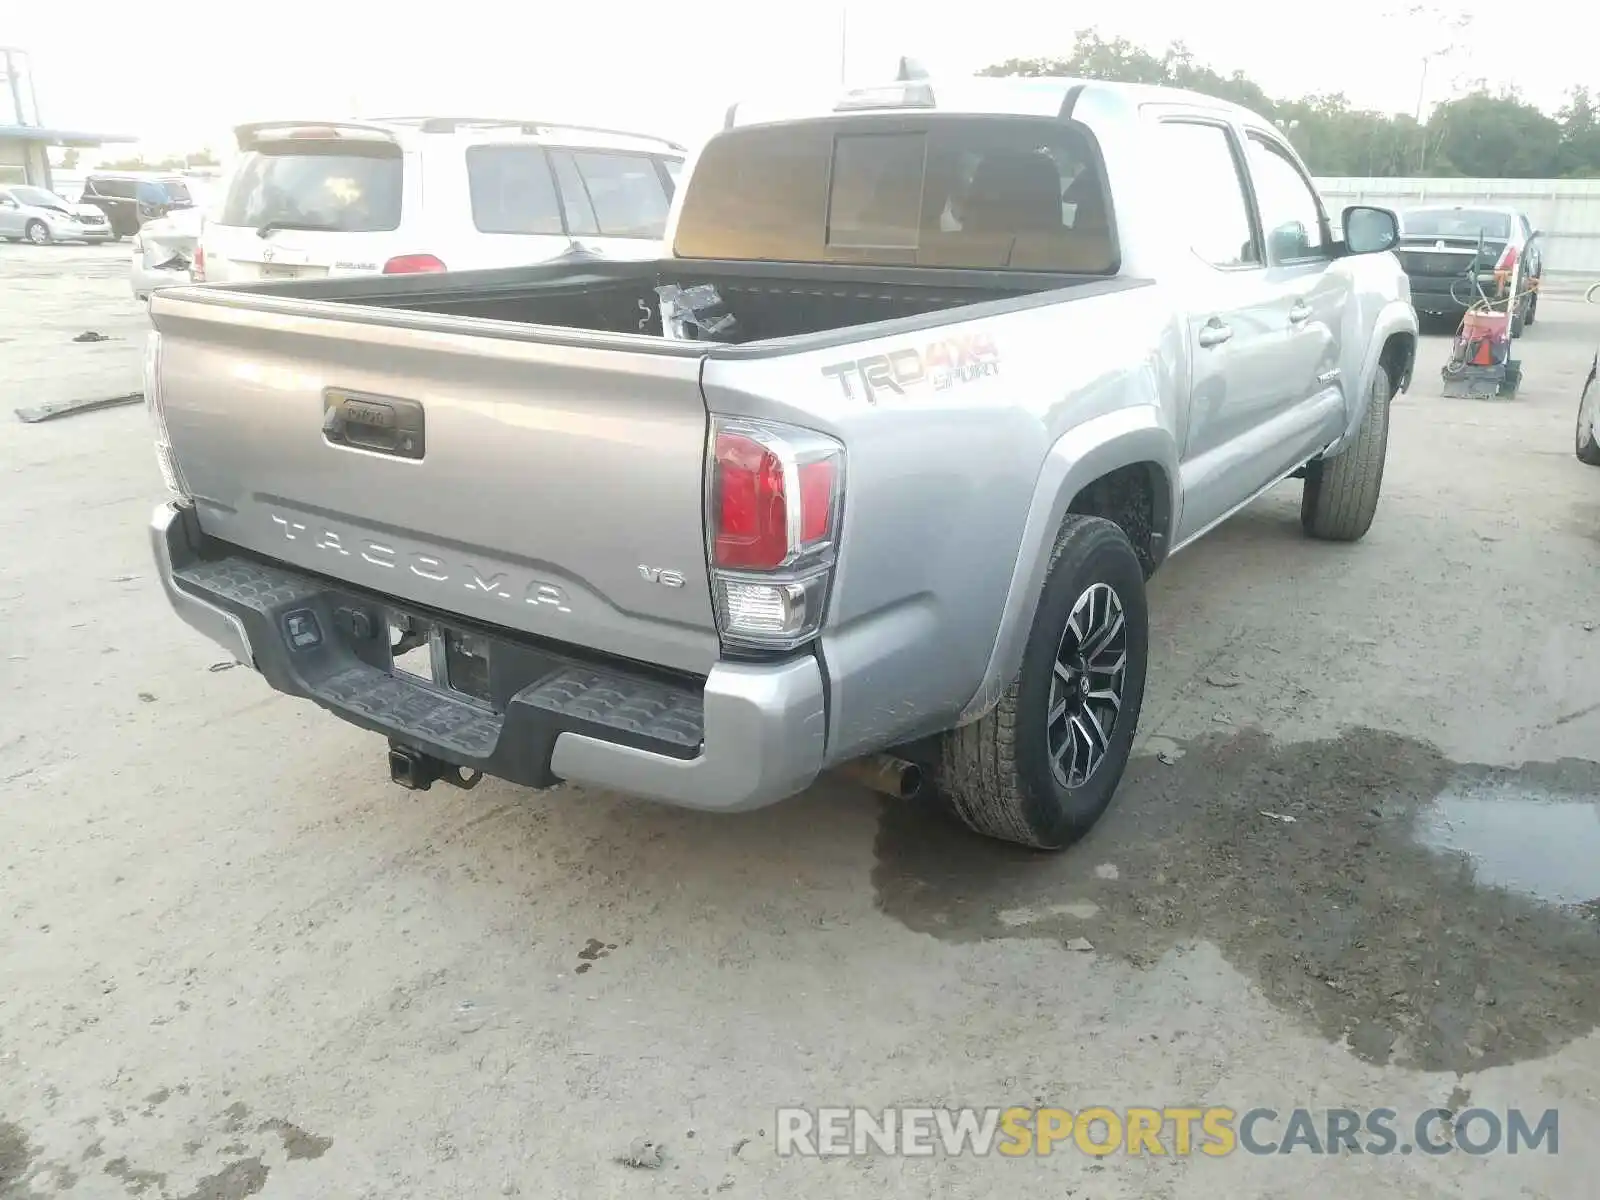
{"x": 501, "y": 584}
{"x": 940, "y": 365}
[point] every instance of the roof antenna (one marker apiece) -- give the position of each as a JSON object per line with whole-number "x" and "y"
{"x": 910, "y": 69}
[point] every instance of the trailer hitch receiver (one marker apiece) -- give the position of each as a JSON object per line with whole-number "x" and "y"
{"x": 416, "y": 771}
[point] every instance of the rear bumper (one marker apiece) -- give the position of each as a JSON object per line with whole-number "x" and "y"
{"x": 1453, "y": 293}
{"x": 746, "y": 736}
{"x": 1432, "y": 293}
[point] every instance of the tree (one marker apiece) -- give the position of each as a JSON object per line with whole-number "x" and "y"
{"x": 173, "y": 162}
{"x": 1496, "y": 137}
{"x": 1477, "y": 134}
{"x": 1579, "y": 156}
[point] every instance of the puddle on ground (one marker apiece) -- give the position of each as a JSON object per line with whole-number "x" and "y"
{"x": 1544, "y": 844}
{"x": 1354, "y": 915}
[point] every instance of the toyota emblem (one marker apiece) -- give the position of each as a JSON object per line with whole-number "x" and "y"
{"x": 266, "y": 254}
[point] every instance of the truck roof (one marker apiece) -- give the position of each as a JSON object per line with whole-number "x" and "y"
{"x": 1030, "y": 96}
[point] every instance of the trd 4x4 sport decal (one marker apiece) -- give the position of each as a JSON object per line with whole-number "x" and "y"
{"x": 939, "y": 365}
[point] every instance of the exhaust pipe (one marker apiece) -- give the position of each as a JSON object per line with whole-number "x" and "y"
{"x": 885, "y": 773}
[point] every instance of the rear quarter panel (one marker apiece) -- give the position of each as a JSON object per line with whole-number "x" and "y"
{"x": 950, "y": 487}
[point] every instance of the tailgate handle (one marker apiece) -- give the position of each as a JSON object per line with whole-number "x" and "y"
{"x": 381, "y": 424}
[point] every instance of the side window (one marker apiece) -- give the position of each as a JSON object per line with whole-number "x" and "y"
{"x": 120, "y": 189}
{"x": 512, "y": 191}
{"x": 1208, "y": 201}
{"x": 574, "y": 195}
{"x": 1291, "y": 216}
{"x": 628, "y": 197}
{"x": 674, "y": 168}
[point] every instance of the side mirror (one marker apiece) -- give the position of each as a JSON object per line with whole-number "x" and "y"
{"x": 1369, "y": 230}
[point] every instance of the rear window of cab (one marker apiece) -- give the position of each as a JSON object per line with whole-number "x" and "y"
{"x": 988, "y": 193}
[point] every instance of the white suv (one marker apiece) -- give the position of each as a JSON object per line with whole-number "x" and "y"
{"x": 410, "y": 194}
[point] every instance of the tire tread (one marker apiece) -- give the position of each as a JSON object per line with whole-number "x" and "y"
{"x": 1341, "y": 494}
{"x": 1587, "y": 453}
{"x": 978, "y": 767}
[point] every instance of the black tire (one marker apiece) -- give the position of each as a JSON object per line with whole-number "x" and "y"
{"x": 998, "y": 773}
{"x": 1518, "y": 321}
{"x": 1341, "y": 494}
{"x": 37, "y": 232}
{"x": 1533, "y": 309}
{"x": 1587, "y": 437}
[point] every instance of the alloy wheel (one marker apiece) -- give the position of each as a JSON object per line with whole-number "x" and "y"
{"x": 1086, "y": 685}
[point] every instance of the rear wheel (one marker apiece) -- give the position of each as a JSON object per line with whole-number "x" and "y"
{"x": 1041, "y": 767}
{"x": 1588, "y": 434}
{"x": 1341, "y": 494}
{"x": 38, "y": 233}
{"x": 1533, "y": 309}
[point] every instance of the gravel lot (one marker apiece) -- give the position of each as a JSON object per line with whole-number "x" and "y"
{"x": 235, "y": 960}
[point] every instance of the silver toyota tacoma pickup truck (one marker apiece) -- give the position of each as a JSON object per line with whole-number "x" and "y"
{"x": 869, "y": 472}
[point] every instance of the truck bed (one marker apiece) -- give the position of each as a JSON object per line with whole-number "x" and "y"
{"x": 768, "y": 300}
{"x": 520, "y": 448}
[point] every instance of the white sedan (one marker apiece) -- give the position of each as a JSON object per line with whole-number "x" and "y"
{"x": 35, "y": 215}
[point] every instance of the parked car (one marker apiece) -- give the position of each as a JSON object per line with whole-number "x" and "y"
{"x": 1444, "y": 248}
{"x": 129, "y": 200}
{"x": 422, "y": 194}
{"x": 164, "y": 251}
{"x": 41, "y": 217}
{"x": 831, "y": 481}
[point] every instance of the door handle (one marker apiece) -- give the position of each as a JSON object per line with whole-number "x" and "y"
{"x": 1214, "y": 333}
{"x": 1300, "y": 313}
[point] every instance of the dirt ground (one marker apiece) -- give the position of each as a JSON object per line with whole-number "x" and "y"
{"x": 236, "y": 961}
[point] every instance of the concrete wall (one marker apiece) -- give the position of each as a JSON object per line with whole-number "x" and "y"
{"x": 24, "y": 162}
{"x": 1565, "y": 211}
{"x": 13, "y": 161}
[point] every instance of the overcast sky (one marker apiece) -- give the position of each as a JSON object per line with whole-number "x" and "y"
{"x": 180, "y": 73}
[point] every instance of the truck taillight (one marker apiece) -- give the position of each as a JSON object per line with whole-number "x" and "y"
{"x": 197, "y": 269}
{"x": 165, "y": 459}
{"x": 1508, "y": 260}
{"x": 412, "y": 264}
{"x": 775, "y": 495}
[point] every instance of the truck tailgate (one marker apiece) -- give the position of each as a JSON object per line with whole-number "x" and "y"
{"x": 549, "y": 486}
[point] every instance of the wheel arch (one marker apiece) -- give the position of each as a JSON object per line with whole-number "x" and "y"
{"x": 1398, "y": 356}
{"x": 1122, "y": 465}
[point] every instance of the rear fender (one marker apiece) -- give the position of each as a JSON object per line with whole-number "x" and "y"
{"x": 1083, "y": 454}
